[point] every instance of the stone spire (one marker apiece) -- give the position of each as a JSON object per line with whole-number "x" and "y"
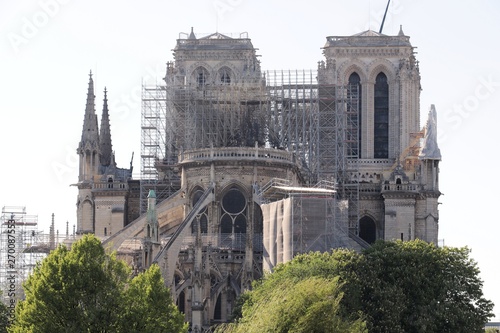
{"x": 192, "y": 35}
{"x": 430, "y": 149}
{"x": 106, "y": 149}
{"x": 401, "y": 33}
{"x": 90, "y": 132}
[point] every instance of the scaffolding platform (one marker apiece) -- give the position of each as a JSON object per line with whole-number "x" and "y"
{"x": 22, "y": 246}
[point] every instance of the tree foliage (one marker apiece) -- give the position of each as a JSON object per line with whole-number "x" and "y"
{"x": 85, "y": 290}
{"x": 309, "y": 305}
{"x": 4, "y": 318}
{"x": 434, "y": 289}
{"x": 149, "y": 306}
{"x": 394, "y": 287}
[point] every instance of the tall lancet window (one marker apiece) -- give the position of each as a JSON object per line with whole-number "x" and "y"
{"x": 225, "y": 76}
{"x": 381, "y": 115}
{"x": 354, "y": 115}
{"x": 201, "y": 76}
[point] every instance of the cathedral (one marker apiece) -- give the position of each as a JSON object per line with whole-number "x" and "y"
{"x": 242, "y": 169}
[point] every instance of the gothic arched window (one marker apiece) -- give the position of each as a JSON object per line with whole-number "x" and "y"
{"x": 233, "y": 212}
{"x": 381, "y": 117}
{"x": 201, "y": 76}
{"x": 202, "y": 218}
{"x": 354, "y": 115}
{"x": 233, "y": 219}
{"x": 225, "y": 76}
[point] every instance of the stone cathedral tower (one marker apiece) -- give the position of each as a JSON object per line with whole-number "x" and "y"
{"x": 103, "y": 188}
{"x": 398, "y": 187}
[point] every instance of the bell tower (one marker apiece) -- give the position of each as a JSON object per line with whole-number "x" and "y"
{"x": 391, "y": 168}
{"x": 88, "y": 151}
{"x": 102, "y": 187}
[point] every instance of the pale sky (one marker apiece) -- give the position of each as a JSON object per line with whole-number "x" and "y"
{"x": 48, "y": 47}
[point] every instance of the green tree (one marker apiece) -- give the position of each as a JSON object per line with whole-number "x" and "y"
{"x": 75, "y": 290}
{"x": 304, "y": 306}
{"x": 396, "y": 287}
{"x": 149, "y": 306}
{"x": 83, "y": 290}
{"x": 4, "y": 318}
{"x": 433, "y": 289}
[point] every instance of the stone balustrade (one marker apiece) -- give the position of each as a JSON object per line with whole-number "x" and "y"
{"x": 400, "y": 188}
{"x": 236, "y": 153}
{"x": 387, "y": 163}
{"x": 110, "y": 186}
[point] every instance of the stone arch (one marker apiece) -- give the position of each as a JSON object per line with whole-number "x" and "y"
{"x": 384, "y": 66}
{"x": 221, "y": 283}
{"x": 87, "y": 208}
{"x": 216, "y": 296}
{"x": 216, "y": 273}
{"x": 234, "y": 213}
{"x": 228, "y": 66}
{"x": 367, "y": 229}
{"x": 225, "y": 76}
{"x": 195, "y": 69}
{"x": 181, "y": 301}
{"x": 182, "y": 287}
{"x": 351, "y": 67}
{"x": 194, "y": 195}
{"x": 195, "y": 190}
{"x": 235, "y": 183}
{"x": 179, "y": 273}
{"x": 180, "y": 290}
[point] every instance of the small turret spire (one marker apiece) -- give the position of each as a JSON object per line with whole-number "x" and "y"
{"x": 106, "y": 148}
{"x": 89, "y": 144}
{"x": 401, "y": 33}
{"x": 192, "y": 35}
{"x": 90, "y": 127}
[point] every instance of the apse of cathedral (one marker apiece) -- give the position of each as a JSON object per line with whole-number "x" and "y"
{"x": 244, "y": 168}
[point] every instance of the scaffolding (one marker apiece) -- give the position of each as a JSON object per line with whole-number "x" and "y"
{"x": 319, "y": 123}
{"x": 21, "y": 247}
{"x": 154, "y": 122}
{"x": 288, "y": 110}
{"x": 293, "y": 117}
{"x": 347, "y": 148}
{"x": 178, "y": 117}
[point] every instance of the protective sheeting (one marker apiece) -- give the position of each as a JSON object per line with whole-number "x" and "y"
{"x": 430, "y": 149}
{"x": 301, "y": 224}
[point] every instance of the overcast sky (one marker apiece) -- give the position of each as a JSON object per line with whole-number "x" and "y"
{"x": 48, "y": 47}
